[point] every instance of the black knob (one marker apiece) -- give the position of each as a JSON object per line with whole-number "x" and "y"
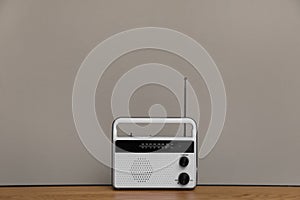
{"x": 183, "y": 179}
{"x": 183, "y": 161}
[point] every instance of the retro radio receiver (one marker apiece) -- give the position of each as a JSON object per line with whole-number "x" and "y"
{"x": 155, "y": 162}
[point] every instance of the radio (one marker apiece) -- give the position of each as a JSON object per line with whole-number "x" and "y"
{"x": 155, "y": 161}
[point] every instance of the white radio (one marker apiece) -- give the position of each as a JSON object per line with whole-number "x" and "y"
{"x": 154, "y": 162}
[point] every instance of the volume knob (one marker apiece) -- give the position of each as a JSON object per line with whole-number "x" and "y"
{"x": 183, "y": 179}
{"x": 183, "y": 161}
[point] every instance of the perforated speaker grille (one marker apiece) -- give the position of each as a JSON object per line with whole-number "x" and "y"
{"x": 156, "y": 170}
{"x": 141, "y": 170}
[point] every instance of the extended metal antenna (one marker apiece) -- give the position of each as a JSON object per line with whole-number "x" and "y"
{"x": 184, "y": 106}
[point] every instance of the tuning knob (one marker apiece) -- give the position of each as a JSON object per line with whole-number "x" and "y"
{"x": 183, "y": 161}
{"x": 183, "y": 179}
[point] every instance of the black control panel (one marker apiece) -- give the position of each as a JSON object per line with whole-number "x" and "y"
{"x": 154, "y": 146}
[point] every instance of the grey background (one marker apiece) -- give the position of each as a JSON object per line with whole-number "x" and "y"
{"x": 255, "y": 44}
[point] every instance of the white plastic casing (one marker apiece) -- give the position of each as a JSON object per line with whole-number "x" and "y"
{"x": 153, "y": 170}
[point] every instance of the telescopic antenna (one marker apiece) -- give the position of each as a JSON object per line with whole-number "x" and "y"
{"x": 184, "y": 105}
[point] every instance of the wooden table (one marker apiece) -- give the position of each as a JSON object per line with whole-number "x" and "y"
{"x": 106, "y": 193}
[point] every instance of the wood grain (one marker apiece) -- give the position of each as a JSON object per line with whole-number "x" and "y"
{"x": 107, "y": 193}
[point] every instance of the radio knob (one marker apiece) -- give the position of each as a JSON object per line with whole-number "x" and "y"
{"x": 183, "y": 179}
{"x": 183, "y": 161}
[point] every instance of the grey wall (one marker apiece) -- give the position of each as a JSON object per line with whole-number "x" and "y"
{"x": 255, "y": 44}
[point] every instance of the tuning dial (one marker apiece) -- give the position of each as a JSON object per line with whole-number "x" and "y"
{"x": 183, "y": 161}
{"x": 183, "y": 179}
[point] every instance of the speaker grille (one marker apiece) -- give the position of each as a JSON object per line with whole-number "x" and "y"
{"x": 141, "y": 170}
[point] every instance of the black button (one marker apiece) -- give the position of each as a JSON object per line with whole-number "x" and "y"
{"x": 183, "y": 179}
{"x": 183, "y": 161}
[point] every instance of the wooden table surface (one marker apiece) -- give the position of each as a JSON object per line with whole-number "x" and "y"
{"x": 106, "y": 193}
